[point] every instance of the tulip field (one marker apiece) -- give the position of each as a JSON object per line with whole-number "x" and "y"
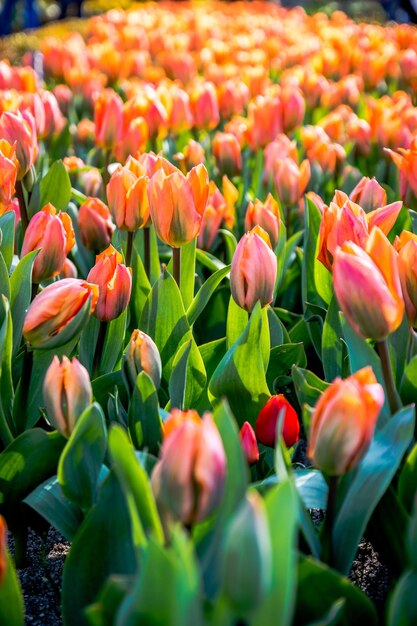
{"x": 208, "y": 304}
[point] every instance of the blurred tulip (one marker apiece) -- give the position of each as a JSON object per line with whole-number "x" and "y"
{"x": 19, "y": 129}
{"x": 264, "y": 120}
{"x": 53, "y": 236}
{"x": 128, "y": 199}
{"x": 3, "y": 549}
{"x": 177, "y": 204}
{"x": 291, "y": 180}
{"x": 54, "y": 120}
{"x": 367, "y": 286}
{"x": 249, "y": 443}
{"x": 193, "y": 154}
{"x": 67, "y": 393}
{"x": 276, "y": 150}
{"x": 134, "y": 139}
{"x": 267, "y": 420}
{"x": 189, "y": 479}
{"x": 406, "y": 246}
{"x": 141, "y": 355}
{"x": 254, "y": 270}
{"x": 204, "y": 105}
{"x": 8, "y": 174}
{"x": 406, "y": 161}
{"x": 69, "y": 270}
{"x": 53, "y": 310}
{"x": 231, "y": 195}
{"x": 95, "y": 224}
{"x": 212, "y": 218}
{"x": 226, "y": 151}
{"x": 293, "y": 108}
{"x": 108, "y": 119}
{"x": 265, "y": 214}
{"x": 343, "y": 422}
{"x": 115, "y": 284}
{"x": 369, "y": 194}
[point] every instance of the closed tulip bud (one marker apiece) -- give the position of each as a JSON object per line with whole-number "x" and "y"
{"x": 247, "y": 564}
{"x": 265, "y": 214}
{"x": 128, "y": 200}
{"x": 3, "y": 548}
{"x": 226, "y": 151}
{"x": 343, "y": 422}
{"x": 369, "y": 194}
{"x": 249, "y": 443}
{"x": 115, "y": 284}
{"x": 291, "y": 180}
{"x": 188, "y": 481}
{"x": 19, "y": 130}
{"x": 134, "y": 139}
{"x": 8, "y": 173}
{"x": 204, "y": 105}
{"x": 67, "y": 393}
{"x": 266, "y": 423}
{"x": 177, "y": 204}
{"x": 95, "y": 224}
{"x": 108, "y": 119}
{"x": 406, "y": 161}
{"x": 293, "y": 108}
{"x": 55, "y": 315}
{"x": 53, "y": 235}
{"x": 406, "y": 246}
{"x": 193, "y": 154}
{"x": 141, "y": 355}
{"x": 367, "y": 286}
{"x": 254, "y": 270}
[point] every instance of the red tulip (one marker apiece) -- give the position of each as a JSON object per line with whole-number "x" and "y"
{"x": 266, "y": 423}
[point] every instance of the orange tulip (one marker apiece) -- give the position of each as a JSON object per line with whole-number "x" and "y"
{"x": 204, "y": 105}
{"x": 141, "y": 355}
{"x": 406, "y": 246}
{"x": 343, "y": 422}
{"x": 265, "y": 214}
{"x": 276, "y": 150}
{"x": 177, "y": 204}
{"x": 8, "y": 174}
{"x": 108, "y": 119}
{"x": 291, "y": 180}
{"x": 369, "y": 194}
{"x": 53, "y": 310}
{"x": 115, "y": 284}
{"x": 293, "y": 108}
{"x": 67, "y": 393}
{"x": 134, "y": 139}
{"x": 226, "y": 151}
{"x": 367, "y": 286}
{"x": 127, "y": 197}
{"x": 95, "y": 224}
{"x": 19, "y": 129}
{"x": 406, "y": 161}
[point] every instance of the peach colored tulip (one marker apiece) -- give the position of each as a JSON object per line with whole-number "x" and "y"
{"x": 177, "y": 204}
{"x": 141, "y": 355}
{"x": 67, "y": 393}
{"x": 264, "y": 120}
{"x": 254, "y": 270}
{"x": 406, "y": 161}
{"x": 95, "y": 224}
{"x": 406, "y": 246}
{"x": 293, "y": 108}
{"x": 55, "y": 307}
{"x": 226, "y": 151}
{"x": 108, "y": 119}
{"x": 19, "y": 130}
{"x": 189, "y": 479}
{"x": 369, "y": 194}
{"x": 115, "y": 284}
{"x": 344, "y": 421}
{"x": 276, "y": 150}
{"x": 266, "y": 214}
{"x": 367, "y": 286}
{"x": 8, "y": 173}
{"x": 212, "y": 218}
{"x": 291, "y": 180}
{"x": 204, "y": 105}
{"x": 127, "y": 198}
{"x": 134, "y": 139}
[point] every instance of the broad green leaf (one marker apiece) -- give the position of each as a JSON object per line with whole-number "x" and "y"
{"x": 408, "y": 388}
{"x": 105, "y": 385}
{"x": 209, "y": 260}
{"x": 102, "y": 547}
{"x": 308, "y": 386}
{"x": 204, "y": 294}
{"x": 229, "y": 242}
{"x": 237, "y": 319}
{"x": 145, "y": 425}
{"x": 11, "y": 600}
{"x": 407, "y": 483}
{"x": 240, "y": 376}
{"x": 113, "y": 344}
{"x": 7, "y": 225}
{"x": 6, "y": 385}
{"x": 364, "y": 487}
{"x": 331, "y": 346}
{"x": 81, "y": 460}
{"x": 88, "y": 342}
{"x": 55, "y": 187}
{"x": 4, "y": 279}
{"x": 20, "y": 293}
{"x": 211, "y": 353}
{"x": 188, "y": 377}
{"x": 282, "y": 358}
{"x": 403, "y": 602}
{"x": 312, "y": 488}
{"x": 140, "y": 289}
{"x": 104, "y": 610}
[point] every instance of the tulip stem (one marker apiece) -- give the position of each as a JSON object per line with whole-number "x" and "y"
{"x": 22, "y": 206}
{"x": 327, "y": 556}
{"x": 147, "y": 251}
{"x": 129, "y": 248}
{"x": 176, "y": 254}
{"x": 382, "y": 347}
{"x": 99, "y": 348}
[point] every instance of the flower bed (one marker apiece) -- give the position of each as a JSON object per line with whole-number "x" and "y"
{"x": 208, "y": 277}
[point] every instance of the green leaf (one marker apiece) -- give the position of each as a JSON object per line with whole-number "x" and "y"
{"x": 20, "y": 293}
{"x": 6, "y": 385}
{"x": 104, "y": 611}
{"x": 188, "y": 377}
{"x": 211, "y": 353}
{"x": 187, "y": 269}
{"x": 282, "y": 358}
{"x": 407, "y": 483}
{"x": 312, "y": 488}
{"x": 4, "y": 279}
{"x": 208, "y": 260}
{"x": 82, "y": 458}
{"x": 49, "y": 501}
{"x": 55, "y": 187}
{"x": 229, "y": 242}
{"x": 364, "y": 487}
{"x": 102, "y": 547}
{"x": 88, "y": 342}
{"x": 313, "y": 578}
{"x": 332, "y": 347}
{"x": 237, "y": 319}
{"x": 403, "y": 604}
{"x": 144, "y": 420}
{"x": 240, "y": 376}
{"x": 103, "y": 386}
{"x": 113, "y": 343}
{"x": 308, "y": 386}
{"x": 140, "y": 289}
{"x": 204, "y": 294}
{"x": 7, "y": 225}
{"x": 408, "y": 388}
{"x": 11, "y": 600}
{"x": 332, "y": 617}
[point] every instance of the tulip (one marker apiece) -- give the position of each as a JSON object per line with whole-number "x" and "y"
{"x": 247, "y": 562}
{"x": 8, "y": 174}
{"x": 293, "y": 108}
{"x": 367, "y": 286}
{"x": 69, "y": 270}
{"x": 204, "y": 105}
{"x": 193, "y": 154}
{"x": 115, "y": 284}
{"x": 52, "y": 311}
{"x": 134, "y": 139}
{"x": 67, "y": 393}
{"x": 343, "y": 422}
{"x": 3, "y": 548}
{"x": 177, "y": 204}
{"x": 265, "y": 214}
{"x": 291, "y": 180}
{"x": 212, "y": 218}
{"x": 254, "y": 270}
{"x": 249, "y": 444}
{"x": 406, "y": 161}
{"x": 141, "y": 355}
{"x": 128, "y": 200}
{"x": 19, "y": 129}
{"x": 95, "y": 224}
{"x": 189, "y": 478}
{"x": 406, "y": 246}
{"x": 264, "y": 120}
{"x": 226, "y": 151}
{"x": 266, "y": 423}
{"x": 281, "y": 148}
{"x": 369, "y": 194}
{"x": 108, "y": 119}
{"x": 53, "y": 235}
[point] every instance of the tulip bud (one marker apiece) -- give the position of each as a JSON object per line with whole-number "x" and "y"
{"x": 95, "y": 224}
{"x": 115, "y": 284}
{"x": 3, "y": 548}
{"x": 369, "y": 194}
{"x": 134, "y": 139}
{"x": 8, "y": 173}
{"x": 226, "y": 151}
{"x": 212, "y": 218}
{"x": 247, "y": 565}
{"x": 293, "y": 108}
{"x": 188, "y": 481}
{"x": 193, "y": 154}
{"x": 249, "y": 444}
{"x": 69, "y": 270}
{"x": 367, "y": 286}
{"x": 141, "y": 355}
{"x": 177, "y": 204}
{"x": 406, "y": 246}
{"x": 265, "y": 214}
{"x": 53, "y": 317}
{"x": 127, "y": 198}
{"x": 266, "y": 423}
{"x": 291, "y": 180}
{"x": 204, "y": 105}
{"x": 67, "y": 393}
{"x": 19, "y": 128}
{"x": 108, "y": 119}
{"x": 254, "y": 270}
{"x": 343, "y": 422}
